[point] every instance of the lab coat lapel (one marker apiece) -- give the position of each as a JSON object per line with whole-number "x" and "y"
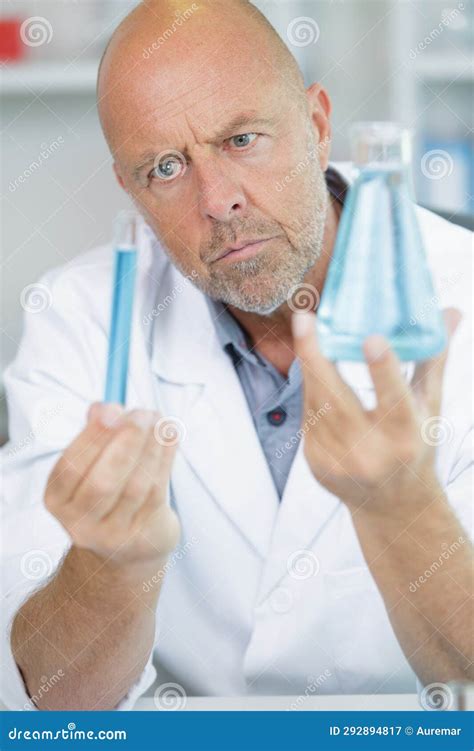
{"x": 198, "y": 386}
{"x": 307, "y": 507}
{"x": 224, "y": 450}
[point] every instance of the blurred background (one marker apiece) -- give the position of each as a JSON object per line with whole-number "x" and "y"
{"x": 408, "y": 60}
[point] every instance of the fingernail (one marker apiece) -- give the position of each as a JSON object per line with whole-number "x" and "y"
{"x": 376, "y": 347}
{"x": 302, "y": 324}
{"x": 109, "y": 414}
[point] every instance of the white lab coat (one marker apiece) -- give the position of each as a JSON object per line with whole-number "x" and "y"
{"x": 232, "y": 619}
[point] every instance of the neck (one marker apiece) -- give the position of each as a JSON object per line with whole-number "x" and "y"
{"x": 271, "y": 335}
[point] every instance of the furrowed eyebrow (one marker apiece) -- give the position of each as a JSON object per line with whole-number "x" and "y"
{"x": 146, "y": 160}
{"x": 244, "y": 120}
{"x": 232, "y": 128}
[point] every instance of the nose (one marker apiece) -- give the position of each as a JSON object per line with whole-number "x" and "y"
{"x": 220, "y": 197}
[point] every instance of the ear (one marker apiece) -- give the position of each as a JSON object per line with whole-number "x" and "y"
{"x": 319, "y": 105}
{"x": 119, "y": 177}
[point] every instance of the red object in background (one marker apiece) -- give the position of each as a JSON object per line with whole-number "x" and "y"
{"x": 11, "y": 46}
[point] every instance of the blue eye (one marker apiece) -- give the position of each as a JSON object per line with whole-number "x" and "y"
{"x": 167, "y": 169}
{"x": 243, "y": 140}
{"x": 168, "y": 165}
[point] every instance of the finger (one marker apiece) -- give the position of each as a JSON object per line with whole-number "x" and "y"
{"x": 427, "y": 378}
{"x": 104, "y": 483}
{"x": 392, "y": 390}
{"x": 322, "y": 381}
{"x": 151, "y": 473}
{"x": 79, "y": 456}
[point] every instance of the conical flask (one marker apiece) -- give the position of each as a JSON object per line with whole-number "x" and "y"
{"x": 378, "y": 281}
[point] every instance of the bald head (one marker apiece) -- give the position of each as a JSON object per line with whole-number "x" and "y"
{"x": 158, "y": 34}
{"x": 206, "y": 115}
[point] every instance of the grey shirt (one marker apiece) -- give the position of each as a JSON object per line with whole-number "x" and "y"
{"x": 275, "y": 402}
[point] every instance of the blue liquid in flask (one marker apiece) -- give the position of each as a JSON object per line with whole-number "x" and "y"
{"x": 378, "y": 280}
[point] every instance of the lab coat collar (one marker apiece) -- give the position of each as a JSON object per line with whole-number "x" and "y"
{"x": 183, "y": 335}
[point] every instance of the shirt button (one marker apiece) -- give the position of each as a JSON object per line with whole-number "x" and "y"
{"x": 276, "y": 416}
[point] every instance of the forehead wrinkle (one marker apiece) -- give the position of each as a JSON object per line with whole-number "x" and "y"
{"x": 155, "y": 114}
{"x": 158, "y": 114}
{"x": 216, "y": 79}
{"x": 179, "y": 99}
{"x": 165, "y": 111}
{"x": 226, "y": 131}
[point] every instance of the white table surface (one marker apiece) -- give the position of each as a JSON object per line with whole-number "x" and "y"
{"x": 347, "y": 703}
{"x": 359, "y": 703}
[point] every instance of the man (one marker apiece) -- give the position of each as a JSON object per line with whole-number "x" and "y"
{"x": 305, "y": 501}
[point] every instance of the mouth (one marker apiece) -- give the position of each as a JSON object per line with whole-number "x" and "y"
{"x": 242, "y": 250}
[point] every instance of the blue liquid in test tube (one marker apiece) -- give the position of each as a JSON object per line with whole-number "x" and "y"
{"x": 122, "y": 307}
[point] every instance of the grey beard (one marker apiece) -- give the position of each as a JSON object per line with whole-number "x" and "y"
{"x": 258, "y": 286}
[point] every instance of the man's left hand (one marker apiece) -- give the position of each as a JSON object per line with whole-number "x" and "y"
{"x": 369, "y": 458}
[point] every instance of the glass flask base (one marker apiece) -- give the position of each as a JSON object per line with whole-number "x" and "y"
{"x": 338, "y": 347}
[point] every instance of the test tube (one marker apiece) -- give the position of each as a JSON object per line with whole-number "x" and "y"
{"x": 125, "y": 238}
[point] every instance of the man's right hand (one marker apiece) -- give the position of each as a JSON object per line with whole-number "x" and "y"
{"x": 108, "y": 490}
